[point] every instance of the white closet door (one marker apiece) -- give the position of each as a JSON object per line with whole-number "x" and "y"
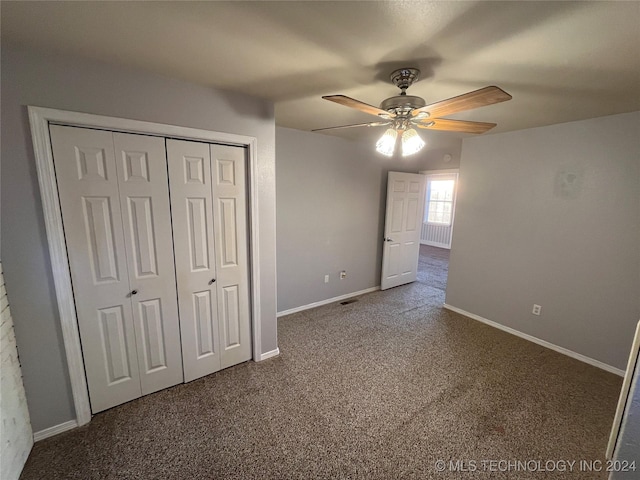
{"x": 232, "y": 261}
{"x": 88, "y": 187}
{"x": 192, "y": 210}
{"x": 141, "y": 166}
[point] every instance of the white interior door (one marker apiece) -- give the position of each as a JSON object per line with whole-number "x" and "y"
{"x": 87, "y": 182}
{"x": 403, "y": 221}
{"x": 192, "y": 207}
{"x": 232, "y": 260}
{"x": 144, "y": 199}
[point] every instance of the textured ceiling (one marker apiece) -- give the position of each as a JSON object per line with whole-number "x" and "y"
{"x": 561, "y": 61}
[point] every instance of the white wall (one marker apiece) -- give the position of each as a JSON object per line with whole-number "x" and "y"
{"x": 16, "y": 438}
{"x": 331, "y": 196}
{"x": 31, "y": 78}
{"x": 521, "y": 237}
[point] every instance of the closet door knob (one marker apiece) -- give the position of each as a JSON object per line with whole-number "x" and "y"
{"x": 134, "y": 292}
{"x": 213, "y": 280}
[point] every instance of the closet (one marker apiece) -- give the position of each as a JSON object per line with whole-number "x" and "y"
{"x": 156, "y": 235}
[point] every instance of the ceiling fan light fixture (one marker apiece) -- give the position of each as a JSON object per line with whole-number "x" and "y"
{"x": 411, "y": 142}
{"x": 387, "y": 142}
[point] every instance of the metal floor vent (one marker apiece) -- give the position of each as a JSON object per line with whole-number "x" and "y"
{"x": 347, "y": 302}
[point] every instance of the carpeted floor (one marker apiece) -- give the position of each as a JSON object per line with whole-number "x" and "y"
{"x": 381, "y": 388}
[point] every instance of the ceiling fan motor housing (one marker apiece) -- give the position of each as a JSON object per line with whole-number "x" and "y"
{"x": 402, "y": 104}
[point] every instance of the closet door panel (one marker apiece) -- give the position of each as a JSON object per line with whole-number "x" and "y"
{"x": 141, "y": 167}
{"x": 85, "y": 166}
{"x": 232, "y": 261}
{"x": 192, "y": 211}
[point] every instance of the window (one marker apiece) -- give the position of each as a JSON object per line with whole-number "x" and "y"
{"x": 440, "y": 195}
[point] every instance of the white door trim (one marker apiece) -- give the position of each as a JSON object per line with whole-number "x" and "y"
{"x": 39, "y": 119}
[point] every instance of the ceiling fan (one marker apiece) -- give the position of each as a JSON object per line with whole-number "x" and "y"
{"x": 403, "y": 112}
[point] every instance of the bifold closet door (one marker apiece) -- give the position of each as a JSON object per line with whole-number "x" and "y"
{"x": 115, "y": 210}
{"x": 191, "y": 206}
{"x": 228, "y": 172}
{"x": 208, "y": 203}
{"x": 144, "y": 200}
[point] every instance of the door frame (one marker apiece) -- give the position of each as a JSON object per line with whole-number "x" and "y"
{"x": 40, "y": 118}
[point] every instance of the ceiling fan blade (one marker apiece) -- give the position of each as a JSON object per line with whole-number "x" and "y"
{"x": 358, "y": 105}
{"x": 373, "y": 124}
{"x": 455, "y": 125}
{"x": 478, "y": 98}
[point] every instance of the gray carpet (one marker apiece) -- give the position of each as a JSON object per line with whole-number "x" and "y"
{"x": 377, "y": 389}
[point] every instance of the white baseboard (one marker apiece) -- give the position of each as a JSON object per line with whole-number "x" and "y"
{"x": 326, "y": 302}
{"x": 433, "y": 244}
{"x": 55, "y": 430}
{"x": 269, "y": 354}
{"x": 543, "y": 343}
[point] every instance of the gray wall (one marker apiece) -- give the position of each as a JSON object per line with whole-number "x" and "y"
{"x": 526, "y": 234}
{"x": 29, "y": 78}
{"x": 331, "y": 196}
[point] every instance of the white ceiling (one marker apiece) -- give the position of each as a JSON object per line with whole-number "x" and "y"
{"x": 561, "y": 61}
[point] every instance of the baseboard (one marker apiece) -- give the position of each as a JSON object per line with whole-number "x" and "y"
{"x": 269, "y": 354}
{"x": 55, "y": 430}
{"x": 439, "y": 245}
{"x": 543, "y": 343}
{"x": 327, "y": 301}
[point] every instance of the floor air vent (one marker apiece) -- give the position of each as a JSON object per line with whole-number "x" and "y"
{"x": 347, "y": 302}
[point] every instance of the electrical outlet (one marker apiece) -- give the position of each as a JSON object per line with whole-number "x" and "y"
{"x": 537, "y": 309}
{"x": 326, "y": 279}
{"x": 343, "y": 274}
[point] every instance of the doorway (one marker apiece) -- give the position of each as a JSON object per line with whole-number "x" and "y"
{"x": 437, "y": 229}
{"x": 439, "y": 210}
